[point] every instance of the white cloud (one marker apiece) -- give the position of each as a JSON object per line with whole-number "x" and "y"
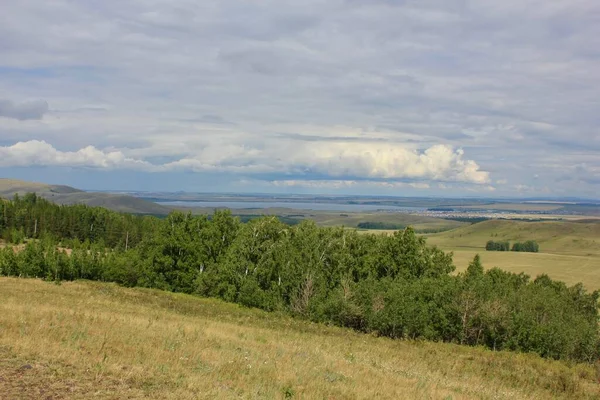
{"x": 40, "y": 153}
{"x": 365, "y": 161}
{"x": 339, "y": 159}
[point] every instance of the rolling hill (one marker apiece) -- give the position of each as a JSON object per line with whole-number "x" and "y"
{"x": 569, "y": 251}
{"x": 557, "y": 237}
{"x": 61, "y": 194}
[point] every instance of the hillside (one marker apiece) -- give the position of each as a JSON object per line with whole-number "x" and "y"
{"x": 569, "y": 251}
{"x": 557, "y": 237}
{"x": 61, "y": 194}
{"x": 82, "y": 339}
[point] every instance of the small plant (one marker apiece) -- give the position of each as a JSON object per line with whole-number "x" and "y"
{"x": 288, "y": 392}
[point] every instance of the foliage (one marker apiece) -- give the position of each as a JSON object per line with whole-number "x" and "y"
{"x": 394, "y": 285}
{"x": 380, "y": 225}
{"x": 529, "y": 246}
{"x": 497, "y": 246}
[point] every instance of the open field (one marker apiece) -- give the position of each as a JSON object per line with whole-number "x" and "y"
{"x": 347, "y": 219}
{"x": 556, "y": 237}
{"x": 84, "y": 340}
{"x": 568, "y": 268}
{"x": 569, "y": 251}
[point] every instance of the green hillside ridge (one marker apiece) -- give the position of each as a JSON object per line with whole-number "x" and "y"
{"x": 62, "y": 194}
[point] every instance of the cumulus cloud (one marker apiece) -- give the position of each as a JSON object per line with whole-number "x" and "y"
{"x": 40, "y": 153}
{"x": 352, "y": 161}
{"x": 439, "y": 162}
{"x": 23, "y": 111}
{"x": 343, "y": 159}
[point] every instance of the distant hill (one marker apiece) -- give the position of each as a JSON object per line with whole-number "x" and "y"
{"x": 61, "y": 194}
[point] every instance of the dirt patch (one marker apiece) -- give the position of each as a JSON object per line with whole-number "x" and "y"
{"x": 29, "y": 379}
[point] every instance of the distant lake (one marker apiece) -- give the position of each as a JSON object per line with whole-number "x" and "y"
{"x": 280, "y": 204}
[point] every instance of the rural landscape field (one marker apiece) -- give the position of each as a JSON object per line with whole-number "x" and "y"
{"x": 85, "y": 340}
{"x": 66, "y": 336}
{"x": 569, "y": 250}
{"x": 287, "y": 199}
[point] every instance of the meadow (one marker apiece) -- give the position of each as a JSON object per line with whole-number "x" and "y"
{"x": 86, "y": 339}
{"x": 83, "y": 339}
{"x": 569, "y": 251}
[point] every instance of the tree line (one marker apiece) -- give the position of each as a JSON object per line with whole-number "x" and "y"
{"x": 30, "y": 216}
{"x": 530, "y": 246}
{"x": 391, "y": 285}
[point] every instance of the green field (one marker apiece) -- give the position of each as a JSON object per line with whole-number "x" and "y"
{"x": 81, "y": 340}
{"x": 569, "y": 251}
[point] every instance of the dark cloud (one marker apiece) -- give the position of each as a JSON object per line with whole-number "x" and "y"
{"x": 23, "y": 111}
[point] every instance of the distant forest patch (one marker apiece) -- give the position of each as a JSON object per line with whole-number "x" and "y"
{"x": 530, "y": 246}
{"x": 380, "y": 225}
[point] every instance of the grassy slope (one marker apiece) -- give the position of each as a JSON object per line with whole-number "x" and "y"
{"x": 115, "y": 202}
{"x": 8, "y": 187}
{"x": 68, "y": 195}
{"x": 569, "y": 251}
{"x": 557, "y": 237}
{"x": 84, "y": 339}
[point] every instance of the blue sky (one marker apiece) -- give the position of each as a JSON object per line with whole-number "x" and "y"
{"x": 436, "y": 97}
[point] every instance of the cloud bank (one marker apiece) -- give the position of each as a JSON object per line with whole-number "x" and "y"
{"x": 360, "y": 161}
{"x": 40, "y": 153}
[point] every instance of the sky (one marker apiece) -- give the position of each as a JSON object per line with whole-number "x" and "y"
{"x": 404, "y": 98}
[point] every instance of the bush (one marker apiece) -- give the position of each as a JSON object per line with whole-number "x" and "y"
{"x": 530, "y": 246}
{"x": 497, "y": 246}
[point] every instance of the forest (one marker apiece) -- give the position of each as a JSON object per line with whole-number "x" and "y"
{"x": 390, "y": 285}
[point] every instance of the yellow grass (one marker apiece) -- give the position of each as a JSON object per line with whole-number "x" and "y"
{"x": 556, "y": 237}
{"x": 569, "y": 251}
{"x": 83, "y": 340}
{"x": 567, "y": 268}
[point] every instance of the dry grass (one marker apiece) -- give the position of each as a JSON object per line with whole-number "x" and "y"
{"x": 556, "y": 237}
{"x": 567, "y": 268}
{"x": 93, "y": 340}
{"x": 569, "y": 251}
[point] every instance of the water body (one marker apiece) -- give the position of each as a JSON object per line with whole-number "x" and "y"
{"x": 295, "y": 205}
